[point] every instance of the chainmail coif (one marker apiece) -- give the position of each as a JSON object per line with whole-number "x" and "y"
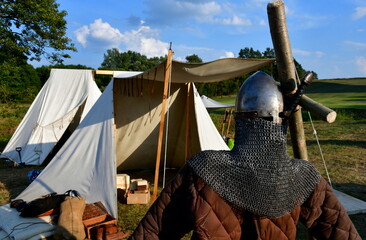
{"x": 257, "y": 174}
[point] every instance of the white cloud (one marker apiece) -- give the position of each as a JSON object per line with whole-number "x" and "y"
{"x": 228, "y": 55}
{"x": 305, "y": 53}
{"x": 301, "y": 52}
{"x": 361, "y": 64}
{"x": 101, "y": 34}
{"x": 319, "y": 54}
{"x": 170, "y": 12}
{"x": 289, "y": 11}
{"x": 82, "y": 34}
{"x": 105, "y": 32}
{"x": 99, "y": 31}
{"x": 358, "y": 45}
{"x": 235, "y": 21}
{"x": 360, "y": 12}
{"x": 263, "y": 22}
{"x": 145, "y": 41}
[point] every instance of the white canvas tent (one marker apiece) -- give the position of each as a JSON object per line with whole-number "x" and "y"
{"x": 121, "y": 130}
{"x": 212, "y": 104}
{"x": 58, "y": 108}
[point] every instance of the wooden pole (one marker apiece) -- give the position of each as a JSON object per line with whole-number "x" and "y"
{"x": 321, "y": 111}
{"x": 167, "y": 77}
{"x": 229, "y": 123}
{"x": 223, "y": 123}
{"x": 188, "y": 125}
{"x": 286, "y": 72}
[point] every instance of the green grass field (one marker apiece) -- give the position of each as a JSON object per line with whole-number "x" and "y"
{"x": 343, "y": 144}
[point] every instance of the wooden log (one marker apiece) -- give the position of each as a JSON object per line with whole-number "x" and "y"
{"x": 282, "y": 47}
{"x": 167, "y": 77}
{"x": 324, "y": 113}
{"x": 286, "y": 72}
{"x": 104, "y": 72}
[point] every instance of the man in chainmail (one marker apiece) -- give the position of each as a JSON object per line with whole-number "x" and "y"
{"x": 254, "y": 191}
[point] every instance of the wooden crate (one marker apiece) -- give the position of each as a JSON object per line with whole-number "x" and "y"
{"x": 95, "y": 214}
{"x": 123, "y": 181}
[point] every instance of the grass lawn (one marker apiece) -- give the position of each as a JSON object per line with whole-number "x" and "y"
{"x": 343, "y": 145}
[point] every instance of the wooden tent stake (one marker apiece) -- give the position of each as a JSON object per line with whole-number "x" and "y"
{"x": 167, "y": 77}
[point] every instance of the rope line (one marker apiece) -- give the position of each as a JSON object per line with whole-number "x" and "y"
{"x": 320, "y": 149}
{"x": 18, "y": 227}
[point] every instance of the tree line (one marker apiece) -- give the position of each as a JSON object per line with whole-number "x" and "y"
{"x": 32, "y": 29}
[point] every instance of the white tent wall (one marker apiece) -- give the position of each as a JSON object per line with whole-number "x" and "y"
{"x": 137, "y": 118}
{"x": 50, "y": 114}
{"x": 210, "y": 138}
{"x": 86, "y": 162}
{"x": 212, "y": 104}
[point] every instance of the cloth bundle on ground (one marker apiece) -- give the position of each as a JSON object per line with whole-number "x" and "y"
{"x": 46, "y": 205}
{"x": 43, "y": 206}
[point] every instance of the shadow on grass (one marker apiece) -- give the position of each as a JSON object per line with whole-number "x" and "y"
{"x": 338, "y": 143}
{"x": 357, "y": 191}
{"x": 352, "y": 189}
{"x": 2, "y": 145}
{"x": 14, "y": 180}
{"x": 327, "y": 87}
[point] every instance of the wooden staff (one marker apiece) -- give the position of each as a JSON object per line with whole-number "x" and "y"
{"x": 167, "y": 77}
{"x": 188, "y": 125}
{"x": 229, "y": 123}
{"x": 286, "y": 72}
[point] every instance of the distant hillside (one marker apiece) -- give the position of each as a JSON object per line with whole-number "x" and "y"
{"x": 338, "y": 85}
{"x": 339, "y": 93}
{"x": 333, "y": 93}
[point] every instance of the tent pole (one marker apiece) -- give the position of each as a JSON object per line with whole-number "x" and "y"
{"x": 188, "y": 126}
{"x": 167, "y": 77}
{"x": 224, "y": 122}
{"x": 229, "y": 123}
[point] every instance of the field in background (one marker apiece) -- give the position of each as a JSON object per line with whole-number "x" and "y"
{"x": 343, "y": 144}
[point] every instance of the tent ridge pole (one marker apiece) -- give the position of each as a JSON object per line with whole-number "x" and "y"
{"x": 167, "y": 76}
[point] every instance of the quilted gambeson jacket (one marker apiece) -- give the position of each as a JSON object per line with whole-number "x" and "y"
{"x": 188, "y": 204}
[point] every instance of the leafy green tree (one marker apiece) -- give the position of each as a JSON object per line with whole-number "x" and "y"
{"x": 29, "y": 29}
{"x": 249, "y": 53}
{"x": 125, "y": 61}
{"x": 193, "y": 59}
{"x": 18, "y": 83}
{"x": 128, "y": 61}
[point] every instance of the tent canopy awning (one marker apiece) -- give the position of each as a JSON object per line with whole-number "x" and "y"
{"x": 214, "y": 71}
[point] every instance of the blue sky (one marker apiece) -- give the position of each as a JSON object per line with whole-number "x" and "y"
{"x": 328, "y": 37}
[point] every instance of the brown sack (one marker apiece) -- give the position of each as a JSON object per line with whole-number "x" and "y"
{"x": 70, "y": 223}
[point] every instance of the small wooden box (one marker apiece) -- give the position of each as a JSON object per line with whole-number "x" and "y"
{"x": 123, "y": 181}
{"x": 139, "y": 184}
{"x": 95, "y": 214}
{"x": 138, "y": 198}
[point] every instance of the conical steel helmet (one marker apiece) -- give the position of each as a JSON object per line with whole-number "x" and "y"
{"x": 260, "y": 96}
